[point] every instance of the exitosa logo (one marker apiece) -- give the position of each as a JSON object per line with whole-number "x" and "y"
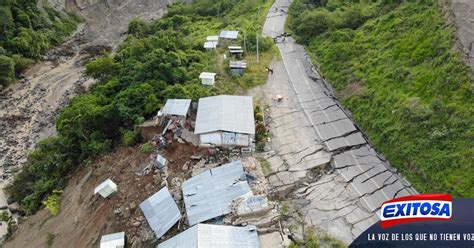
{"x": 416, "y": 208}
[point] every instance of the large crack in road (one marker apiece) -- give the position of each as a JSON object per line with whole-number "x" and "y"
{"x": 320, "y": 159}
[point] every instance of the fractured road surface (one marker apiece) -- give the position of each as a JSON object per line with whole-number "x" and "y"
{"x": 319, "y": 157}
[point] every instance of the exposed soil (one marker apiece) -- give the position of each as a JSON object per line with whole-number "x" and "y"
{"x": 29, "y": 108}
{"x": 89, "y": 216}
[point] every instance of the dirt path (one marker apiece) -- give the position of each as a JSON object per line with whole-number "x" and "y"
{"x": 29, "y": 108}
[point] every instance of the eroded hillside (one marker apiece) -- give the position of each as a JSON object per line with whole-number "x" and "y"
{"x": 28, "y": 108}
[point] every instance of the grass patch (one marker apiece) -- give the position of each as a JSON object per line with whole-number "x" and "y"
{"x": 266, "y": 166}
{"x": 414, "y": 96}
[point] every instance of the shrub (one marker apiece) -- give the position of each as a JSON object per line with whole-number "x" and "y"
{"x": 131, "y": 137}
{"x": 53, "y": 202}
{"x": 147, "y": 147}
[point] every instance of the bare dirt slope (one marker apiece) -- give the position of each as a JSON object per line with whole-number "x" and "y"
{"x": 29, "y": 108}
{"x": 462, "y": 14}
{"x": 84, "y": 216}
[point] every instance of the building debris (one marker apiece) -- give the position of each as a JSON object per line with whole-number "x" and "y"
{"x": 161, "y": 212}
{"x": 106, "y": 188}
{"x": 254, "y": 205}
{"x": 160, "y": 161}
{"x": 209, "y": 194}
{"x": 211, "y": 236}
{"x": 114, "y": 240}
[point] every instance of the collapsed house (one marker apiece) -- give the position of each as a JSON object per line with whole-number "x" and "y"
{"x": 229, "y": 34}
{"x": 210, "y": 194}
{"x": 237, "y": 68}
{"x": 213, "y": 236}
{"x": 114, "y": 240}
{"x": 161, "y": 212}
{"x": 106, "y": 188}
{"x": 207, "y": 78}
{"x": 225, "y": 121}
{"x": 211, "y": 42}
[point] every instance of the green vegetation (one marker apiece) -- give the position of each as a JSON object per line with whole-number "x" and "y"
{"x": 393, "y": 66}
{"x": 261, "y": 133}
{"x": 53, "y": 202}
{"x": 50, "y": 239}
{"x": 157, "y": 61}
{"x": 27, "y": 32}
{"x": 4, "y": 216}
{"x": 147, "y": 147}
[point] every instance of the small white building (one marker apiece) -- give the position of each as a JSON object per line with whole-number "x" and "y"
{"x": 106, "y": 188}
{"x": 211, "y": 42}
{"x": 229, "y": 34}
{"x": 114, "y": 240}
{"x": 237, "y": 67}
{"x": 208, "y": 78}
{"x": 236, "y": 50}
{"x": 225, "y": 121}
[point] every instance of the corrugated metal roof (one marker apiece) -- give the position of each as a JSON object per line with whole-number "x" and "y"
{"x": 177, "y": 107}
{"x": 209, "y": 194}
{"x": 214, "y": 236}
{"x": 212, "y": 38}
{"x": 225, "y": 113}
{"x": 112, "y": 240}
{"x": 207, "y": 75}
{"x": 237, "y": 64}
{"x": 160, "y": 211}
{"x": 210, "y": 44}
{"x": 226, "y": 34}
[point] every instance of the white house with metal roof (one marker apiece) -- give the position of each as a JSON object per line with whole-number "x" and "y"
{"x": 214, "y": 236}
{"x": 225, "y": 121}
{"x": 208, "y": 78}
{"x": 114, "y": 240}
{"x": 161, "y": 212}
{"x": 210, "y": 194}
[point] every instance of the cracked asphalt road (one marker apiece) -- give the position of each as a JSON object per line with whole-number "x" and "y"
{"x": 320, "y": 159}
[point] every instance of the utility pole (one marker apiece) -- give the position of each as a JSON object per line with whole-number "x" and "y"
{"x": 245, "y": 43}
{"x": 257, "y": 48}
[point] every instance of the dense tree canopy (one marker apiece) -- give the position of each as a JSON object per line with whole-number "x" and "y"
{"x": 157, "y": 61}
{"x": 27, "y": 32}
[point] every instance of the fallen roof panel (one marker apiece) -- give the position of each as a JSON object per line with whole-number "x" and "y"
{"x": 213, "y": 236}
{"x": 209, "y": 194}
{"x": 161, "y": 211}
